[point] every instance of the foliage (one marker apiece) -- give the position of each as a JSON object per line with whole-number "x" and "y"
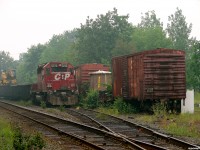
{"x": 25, "y": 103}
{"x": 27, "y": 68}
{"x": 197, "y": 97}
{"x": 179, "y": 31}
{"x": 13, "y": 138}
{"x": 43, "y": 104}
{"x": 193, "y": 65}
{"x": 108, "y": 90}
{"x": 149, "y": 34}
{"x": 159, "y": 109}
{"x": 96, "y": 39}
{"x": 92, "y": 99}
{"x": 118, "y": 107}
{"x": 61, "y": 108}
{"x": 176, "y": 129}
{"x": 23, "y": 141}
{"x": 150, "y": 20}
{"x": 123, "y": 107}
{"x": 108, "y": 110}
{"x": 150, "y": 38}
{"x": 6, "y": 62}
{"x": 6, "y": 135}
{"x": 60, "y": 48}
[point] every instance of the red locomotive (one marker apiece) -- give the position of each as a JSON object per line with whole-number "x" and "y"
{"x": 55, "y": 83}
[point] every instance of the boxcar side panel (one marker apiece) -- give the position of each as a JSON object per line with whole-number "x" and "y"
{"x": 164, "y": 75}
{"x": 117, "y": 76}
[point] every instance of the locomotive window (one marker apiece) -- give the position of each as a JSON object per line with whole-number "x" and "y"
{"x": 48, "y": 71}
{"x": 59, "y": 69}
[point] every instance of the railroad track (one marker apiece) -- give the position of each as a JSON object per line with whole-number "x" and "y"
{"x": 140, "y": 135}
{"x": 84, "y": 136}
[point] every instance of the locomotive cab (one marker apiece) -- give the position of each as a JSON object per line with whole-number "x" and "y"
{"x": 56, "y": 83}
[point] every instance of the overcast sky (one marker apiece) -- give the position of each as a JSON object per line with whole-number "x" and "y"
{"x": 28, "y": 22}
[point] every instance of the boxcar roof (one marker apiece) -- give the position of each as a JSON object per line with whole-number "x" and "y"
{"x": 153, "y": 51}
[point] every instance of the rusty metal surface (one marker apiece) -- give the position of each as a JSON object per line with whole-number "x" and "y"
{"x": 82, "y": 72}
{"x": 98, "y": 81}
{"x": 154, "y": 74}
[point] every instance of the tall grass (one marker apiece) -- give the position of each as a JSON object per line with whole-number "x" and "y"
{"x": 186, "y": 125}
{"x": 118, "y": 107}
{"x": 12, "y": 138}
{"x": 6, "y": 135}
{"x": 197, "y": 97}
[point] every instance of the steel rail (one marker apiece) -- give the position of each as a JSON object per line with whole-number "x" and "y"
{"x": 106, "y": 135}
{"x": 168, "y": 139}
{"x": 92, "y": 121}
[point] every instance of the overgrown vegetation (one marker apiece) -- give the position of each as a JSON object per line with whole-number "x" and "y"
{"x": 6, "y": 135}
{"x": 43, "y": 104}
{"x": 94, "y": 101}
{"x": 26, "y": 142}
{"x": 25, "y": 103}
{"x": 12, "y": 138}
{"x": 159, "y": 109}
{"x": 91, "y": 100}
{"x": 181, "y": 125}
{"x": 61, "y": 108}
{"x": 123, "y": 107}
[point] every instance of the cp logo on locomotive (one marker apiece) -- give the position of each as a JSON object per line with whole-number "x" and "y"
{"x": 60, "y": 76}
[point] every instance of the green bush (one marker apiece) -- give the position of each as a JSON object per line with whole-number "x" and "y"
{"x": 159, "y": 109}
{"x": 61, "y": 108}
{"x": 12, "y": 138}
{"x": 43, "y": 104}
{"x": 26, "y": 142}
{"x": 6, "y": 135}
{"x": 92, "y": 99}
{"x": 123, "y": 107}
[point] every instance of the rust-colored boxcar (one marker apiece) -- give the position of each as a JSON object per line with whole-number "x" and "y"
{"x": 82, "y": 73}
{"x": 153, "y": 75}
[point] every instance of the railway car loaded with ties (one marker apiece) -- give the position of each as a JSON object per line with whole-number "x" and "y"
{"x": 150, "y": 76}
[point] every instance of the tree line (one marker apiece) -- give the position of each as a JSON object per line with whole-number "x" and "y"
{"x": 108, "y": 35}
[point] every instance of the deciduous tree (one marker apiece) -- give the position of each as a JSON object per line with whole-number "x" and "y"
{"x": 179, "y": 31}
{"x": 97, "y": 38}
